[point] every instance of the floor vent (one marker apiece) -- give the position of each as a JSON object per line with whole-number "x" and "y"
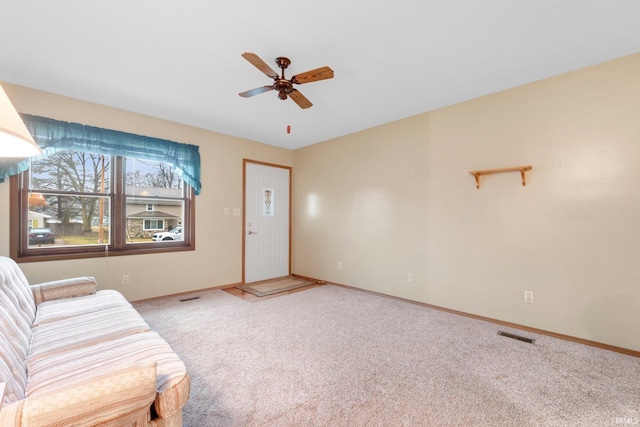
{"x": 516, "y": 337}
{"x": 188, "y": 299}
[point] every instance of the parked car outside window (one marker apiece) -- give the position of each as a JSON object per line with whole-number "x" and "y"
{"x": 39, "y": 236}
{"x": 173, "y": 234}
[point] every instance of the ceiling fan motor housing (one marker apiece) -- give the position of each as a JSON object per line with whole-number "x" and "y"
{"x": 283, "y": 87}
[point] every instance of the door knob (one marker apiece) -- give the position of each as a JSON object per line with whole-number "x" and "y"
{"x": 251, "y": 232}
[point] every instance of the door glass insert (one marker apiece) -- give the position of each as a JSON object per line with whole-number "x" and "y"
{"x": 267, "y": 204}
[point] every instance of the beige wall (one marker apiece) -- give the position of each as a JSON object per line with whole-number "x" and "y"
{"x": 217, "y": 259}
{"x": 398, "y": 199}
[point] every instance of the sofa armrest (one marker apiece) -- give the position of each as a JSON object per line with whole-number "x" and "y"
{"x": 65, "y": 288}
{"x": 121, "y": 397}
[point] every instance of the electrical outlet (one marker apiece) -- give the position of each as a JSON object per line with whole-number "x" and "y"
{"x": 410, "y": 277}
{"x": 125, "y": 279}
{"x": 528, "y": 297}
{"x": 339, "y": 265}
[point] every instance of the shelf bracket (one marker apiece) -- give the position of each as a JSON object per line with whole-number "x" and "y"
{"x": 522, "y": 169}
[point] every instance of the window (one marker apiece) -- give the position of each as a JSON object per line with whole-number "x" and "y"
{"x": 153, "y": 224}
{"x": 76, "y": 203}
{"x": 94, "y": 204}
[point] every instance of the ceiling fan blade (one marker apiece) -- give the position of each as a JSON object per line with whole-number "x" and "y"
{"x": 260, "y": 64}
{"x": 299, "y": 99}
{"x": 321, "y": 73}
{"x": 256, "y": 91}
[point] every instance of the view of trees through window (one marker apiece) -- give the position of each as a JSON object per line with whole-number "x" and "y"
{"x": 71, "y": 198}
{"x": 147, "y": 173}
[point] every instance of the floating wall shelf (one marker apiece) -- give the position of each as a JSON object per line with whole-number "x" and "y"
{"x": 522, "y": 170}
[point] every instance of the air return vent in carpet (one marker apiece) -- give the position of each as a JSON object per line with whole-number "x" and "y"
{"x": 516, "y": 337}
{"x": 188, "y": 299}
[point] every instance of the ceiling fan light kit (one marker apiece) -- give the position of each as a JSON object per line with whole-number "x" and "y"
{"x": 284, "y": 86}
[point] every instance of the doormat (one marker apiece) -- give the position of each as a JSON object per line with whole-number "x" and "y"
{"x": 274, "y": 286}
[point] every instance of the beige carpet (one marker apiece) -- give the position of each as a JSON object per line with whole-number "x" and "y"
{"x": 270, "y": 287}
{"x": 330, "y": 356}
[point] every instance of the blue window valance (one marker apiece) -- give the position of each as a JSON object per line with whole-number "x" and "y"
{"x": 53, "y": 135}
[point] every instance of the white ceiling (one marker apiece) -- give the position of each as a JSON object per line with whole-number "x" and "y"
{"x": 180, "y": 60}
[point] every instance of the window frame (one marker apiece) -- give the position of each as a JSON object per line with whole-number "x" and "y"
{"x": 18, "y": 217}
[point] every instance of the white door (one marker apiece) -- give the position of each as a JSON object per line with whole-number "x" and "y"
{"x": 266, "y": 227}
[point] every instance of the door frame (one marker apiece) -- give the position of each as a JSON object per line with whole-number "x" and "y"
{"x": 244, "y": 206}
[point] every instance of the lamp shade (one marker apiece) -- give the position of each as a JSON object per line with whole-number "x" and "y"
{"x": 15, "y": 139}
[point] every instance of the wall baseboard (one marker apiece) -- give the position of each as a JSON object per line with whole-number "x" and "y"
{"x": 603, "y": 346}
{"x": 186, "y": 294}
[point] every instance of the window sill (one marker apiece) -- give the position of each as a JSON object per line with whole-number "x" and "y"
{"x": 101, "y": 253}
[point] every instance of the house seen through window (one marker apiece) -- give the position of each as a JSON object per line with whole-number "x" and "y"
{"x": 74, "y": 202}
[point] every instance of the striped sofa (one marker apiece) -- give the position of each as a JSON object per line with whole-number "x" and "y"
{"x": 74, "y": 356}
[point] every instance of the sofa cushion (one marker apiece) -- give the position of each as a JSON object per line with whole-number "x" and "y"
{"x": 16, "y": 336}
{"x": 14, "y": 346}
{"x": 14, "y": 321}
{"x": 50, "y": 311}
{"x": 84, "y": 330}
{"x": 15, "y": 382}
{"x": 172, "y": 382}
{"x": 17, "y": 311}
{"x": 14, "y": 285}
{"x": 118, "y": 398}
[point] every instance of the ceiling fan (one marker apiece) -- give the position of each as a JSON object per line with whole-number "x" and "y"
{"x": 283, "y": 86}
